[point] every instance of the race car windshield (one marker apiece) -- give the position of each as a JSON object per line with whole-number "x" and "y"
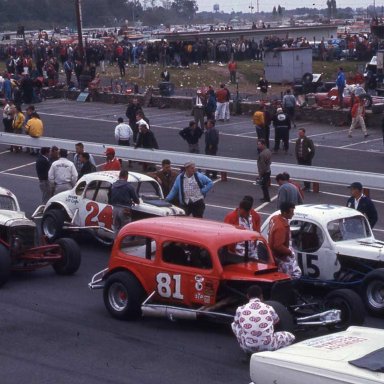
{"x": 7, "y": 202}
{"x": 147, "y": 190}
{"x": 242, "y": 252}
{"x": 349, "y": 228}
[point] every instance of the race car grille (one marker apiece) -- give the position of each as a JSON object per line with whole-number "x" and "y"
{"x": 22, "y": 238}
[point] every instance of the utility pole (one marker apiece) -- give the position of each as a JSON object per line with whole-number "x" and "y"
{"x": 251, "y": 7}
{"x": 79, "y": 21}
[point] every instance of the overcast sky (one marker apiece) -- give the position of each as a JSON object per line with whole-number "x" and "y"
{"x": 267, "y": 6}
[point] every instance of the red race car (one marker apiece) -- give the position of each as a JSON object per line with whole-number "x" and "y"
{"x": 180, "y": 267}
{"x": 330, "y": 99}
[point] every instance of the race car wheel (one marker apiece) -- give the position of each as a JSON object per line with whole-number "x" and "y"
{"x": 373, "y": 291}
{"x": 367, "y": 100}
{"x": 307, "y": 78}
{"x": 52, "y": 224}
{"x": 123, "y": 296}
{"x": 71, "y": 257}
{"x": 286, "y": 322}
{"x": 350, "y": 305}
{"x": 5, "y": 265}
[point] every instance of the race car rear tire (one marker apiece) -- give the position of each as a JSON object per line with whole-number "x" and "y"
{"x": 123, "y": 295}
{"x": 367, "y": 100}
{"x": 351, "y": 307}
{"x": 52, "y": 224}
{"x": 5, "y": 265}
{"x": 373, "y": 291}
{"x": 71, "y": 257}
{"x": 286, "y": 322}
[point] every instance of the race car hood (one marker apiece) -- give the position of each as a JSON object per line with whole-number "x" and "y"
{"x": 8, "y": 217}
{"x": 369, "y": 249}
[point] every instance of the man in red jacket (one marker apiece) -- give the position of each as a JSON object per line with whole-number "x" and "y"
{"x": 245, "y": 217}
{"x": 279, "y": 236}
{"x": 112, "y": 163}
{"x": 232, "y": 68}
{"x": 358, "y": 113}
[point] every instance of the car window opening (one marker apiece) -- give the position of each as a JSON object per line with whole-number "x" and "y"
{"x": 242, "y": 252}
{"x": 349, "y": 228}
{"x": 308, "y": 238}
{"x": 139, "y": 246}
{"x": 7, "y": 202}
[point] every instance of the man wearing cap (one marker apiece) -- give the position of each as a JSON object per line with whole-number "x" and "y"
{"x": 63, "y": 174}
{"x": 123, "y": 196}
{"x": 198, "y": 106}
{"x": 191, "y": 188}
{"x": 282, "y": 125}
{"x": 112, "y": 163}
{"x": 362, "y": 203}
{"x": 123, "y": 133}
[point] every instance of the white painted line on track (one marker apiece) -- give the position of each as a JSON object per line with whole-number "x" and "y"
{"x": 20, "y": 166}
{"x": 361, "y": 142}
{"x": 4, "y": 152}
{"x": 17, "y": 175}
{"x": 328, "y": 133}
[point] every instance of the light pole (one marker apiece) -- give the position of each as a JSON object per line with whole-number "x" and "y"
{"x": 79, "y": 21}
{"x": 251, "y": 7}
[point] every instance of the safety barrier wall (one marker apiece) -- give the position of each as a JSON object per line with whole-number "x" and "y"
{"x": 222, "y": 164}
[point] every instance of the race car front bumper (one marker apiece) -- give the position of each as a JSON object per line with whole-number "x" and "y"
{"x": 97, "y": 281}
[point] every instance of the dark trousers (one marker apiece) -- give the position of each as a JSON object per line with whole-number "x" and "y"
{"x": 340, "y": 91}
{"x": 281, "y": 134}
{"x": 307, "y": 184}
{"x": 209, "y": 172}
{"x": 8, "y": 125}
{"x": 195, "y": 209}
{"x": 263, "y": 133}
{"x": 264, "y": 182}
{"x": 124, "y": 142}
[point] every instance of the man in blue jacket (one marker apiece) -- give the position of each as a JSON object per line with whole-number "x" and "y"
{"x": 340, "y": 84}
{"x": 191, "y": 188}
{"x": 362, "y": 203}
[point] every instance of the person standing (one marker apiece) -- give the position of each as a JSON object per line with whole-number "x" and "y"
{"x": 191, "y": 187}
{"x": 340, "y": 84}
{"x": 42, "y": 168}
{"x": 34, "y": 128}
{"x": 258, "y": 121}
{"x": 362, "y": 203}
{"x": 63, "y": 174}
{"x": 289, "y": 106}
{"x": 211, "y": 145}
{"x": 7, "y": 116}
{"x": 232, "y": 68}
{"x": 166, "y": 176}
{"x": 221, "y": 99}
{"x": 146, "y": 138}
{"x": 254, "y": 325}
{"x": 267, "y": 124}
{"x": 263, "y": 86}
{"x": 123, "y": 133}
{"x": 142, "y": 62}
{"x": 264, "y": 162}
{"x": 112, "y": 163}
{"x": 198, "y": 107}
{"x": 17, "y": 124}
{"x": 358, "y": 113}
{"x": 79, "y": 149}
{"x": 304, "y": 151}
{"x": 282, "y": 125}
{"x": 87, "y": 166}
{"x": 287, "y": 192}
{"x": 68, "y": 69}
{"x": 191, "y": 135}
{"x": 123, "y": 196}
{"x": 227, "y": 112}
{"x": 132, "y": 109}
{"x": 279, "y": 237}
{"x": 211, "y": 105}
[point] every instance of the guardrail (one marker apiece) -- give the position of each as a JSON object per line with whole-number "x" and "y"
{"x": 222, "y": 164}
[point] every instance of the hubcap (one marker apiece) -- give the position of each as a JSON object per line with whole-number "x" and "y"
{"x": 49, "y": 227}
{"x": 375, "y": 294}
{"x": 118, "y": 296}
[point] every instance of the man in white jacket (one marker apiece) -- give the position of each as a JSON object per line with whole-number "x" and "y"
{"x": 63, "y": 174}
{"x": 123, "y": 132}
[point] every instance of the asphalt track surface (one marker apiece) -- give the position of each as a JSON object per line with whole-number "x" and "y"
{"x": 54, "y": 330}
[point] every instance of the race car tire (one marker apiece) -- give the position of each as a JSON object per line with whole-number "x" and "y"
{"x": 367, "y": 100}
{"x": 286, "y": 322}
{"x": 52, "y": 224}
{"x": 123, "y": 295}
{"x": 5, "y": 265}
{"x": 351, "y": 307}
{"x": 71, "y": 257}
{"x": 307, "y": 78}
{"x": 373, "y": 291}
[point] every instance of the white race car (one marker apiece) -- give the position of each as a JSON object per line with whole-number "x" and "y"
{"x": 354, "y": 356}
{"x": 86, "y": 206}
{"x": 336, "y": 248}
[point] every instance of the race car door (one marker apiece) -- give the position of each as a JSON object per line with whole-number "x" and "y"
{"x": 187, "y": 276}
{"x": 313, "y": 250}
{"x": 95, "y": 210}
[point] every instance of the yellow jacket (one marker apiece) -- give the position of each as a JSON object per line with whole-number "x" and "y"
{"x": 18, "y": 121}
{"x": 34, "y": 127}
{"x": 258, "y": 118}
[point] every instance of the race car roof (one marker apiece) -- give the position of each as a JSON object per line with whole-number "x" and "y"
{"x": 190, "y": 229}
{"x": 112, "y": 176}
